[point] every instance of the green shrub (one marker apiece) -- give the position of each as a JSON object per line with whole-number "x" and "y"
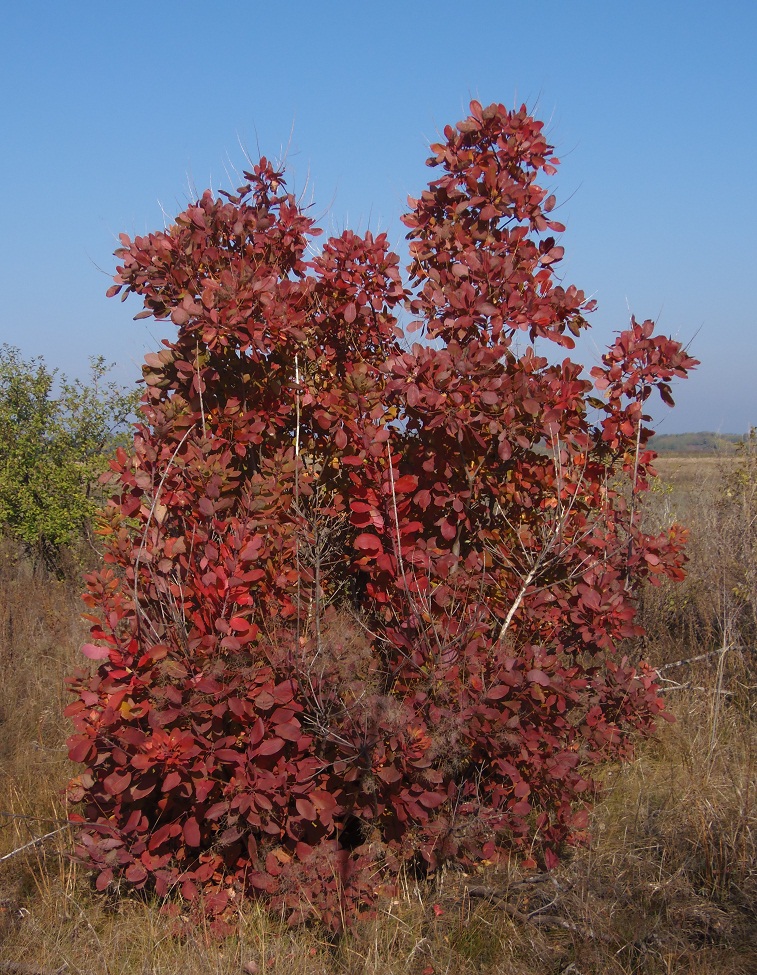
{"x": 55, "y": 436}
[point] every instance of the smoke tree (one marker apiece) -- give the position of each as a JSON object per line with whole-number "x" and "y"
{"x": 363, "y": 603}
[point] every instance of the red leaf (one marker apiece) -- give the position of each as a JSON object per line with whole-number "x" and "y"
{"x": 116, "y": 782}
{"x": 538, "y": 677}
{"x": 189, "y": 890}
{"x": 136, "y": 873}
{"x": 290, "y": 730}
{"x": 270, "y": 746}
{"x": 81, "y": 750}
{"x": 153, "y": 655}
{"x": 191, "y": 830}
{"x": 322, "y": 800}
{"x": 423, "y": 499}
{"x": 238, "y": 624}
{"x": 283, "y": 692}
{"x": 104, "y": 879}
{"x": 405, "y": 484}
{"x": 95, "y": 652}
{"x": 369, "y": 544}
{"x": 305, "y": 808}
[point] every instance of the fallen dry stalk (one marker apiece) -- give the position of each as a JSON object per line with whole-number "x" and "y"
{"x": 19, "y": 968}
{"x": 535, "y": 917}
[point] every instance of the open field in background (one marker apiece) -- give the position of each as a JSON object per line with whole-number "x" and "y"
{"x": 686, "y": 475}
{"x": 669, "y": 884}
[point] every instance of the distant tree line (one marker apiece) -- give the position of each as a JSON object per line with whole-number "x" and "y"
{"x": 696, "y": 443}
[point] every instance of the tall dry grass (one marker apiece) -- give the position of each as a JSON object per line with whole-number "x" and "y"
{"x": 669, "y": 884}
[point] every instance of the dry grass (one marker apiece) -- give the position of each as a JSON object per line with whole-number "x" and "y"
{"x": 668, "y": 886}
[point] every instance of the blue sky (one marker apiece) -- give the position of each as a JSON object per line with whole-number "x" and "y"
{"x": 113, "y": 113}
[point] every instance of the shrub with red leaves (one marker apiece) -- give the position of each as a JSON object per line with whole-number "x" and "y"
{"x": 361, "y": 603}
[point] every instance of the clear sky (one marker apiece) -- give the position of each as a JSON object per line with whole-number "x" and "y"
{"x": 114, "y": 113}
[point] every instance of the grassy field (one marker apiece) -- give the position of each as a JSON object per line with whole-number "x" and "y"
{"x": 669, "y": 884}
{"x": 683, "y": 473}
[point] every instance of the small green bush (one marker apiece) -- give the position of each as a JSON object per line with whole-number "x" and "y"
{"x": 54, "y": 438}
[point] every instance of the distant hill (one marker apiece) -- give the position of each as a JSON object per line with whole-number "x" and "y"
{"x": 695, "y": 443}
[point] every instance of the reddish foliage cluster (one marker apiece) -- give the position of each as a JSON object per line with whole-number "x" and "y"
{"x": 361, "y": 606}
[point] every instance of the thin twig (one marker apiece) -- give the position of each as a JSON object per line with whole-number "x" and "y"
{"x": 20, "y": 968}
{"x": 199, "y": 387}
{"x": 716, "y": 701}
{"x": 34, "y": 819}
{"x": 297, "y": 498}
{"x": 541, "y": 920}
{"x": 40, "y": 839}
{"x": 396, "y": 517}
{"x": 143, "y": 542}
{"x": 519, "y": 599}
{"x": 689, "y": 686}
{"x": 689, "y": 660}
